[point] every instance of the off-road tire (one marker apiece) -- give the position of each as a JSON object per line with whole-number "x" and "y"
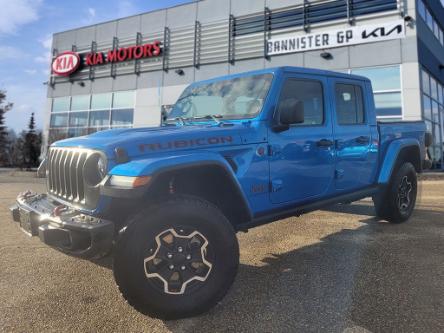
{"x": 387, "y": 203}
{"x": 135, "y": 245}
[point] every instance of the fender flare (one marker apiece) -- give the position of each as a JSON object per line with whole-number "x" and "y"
{"x": 158, "y": 166}
{"x": 391, "y": 157}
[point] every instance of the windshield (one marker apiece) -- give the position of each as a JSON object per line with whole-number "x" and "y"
{"x": 237, "y": 98}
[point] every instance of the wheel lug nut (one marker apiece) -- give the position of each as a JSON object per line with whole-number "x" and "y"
{"x": 179, "y": 249}
{"x": 171, "y": 267}
{"x": 188, "y": 256}
{"x": 169, "y": 255}
{"x": 182, "y": 268}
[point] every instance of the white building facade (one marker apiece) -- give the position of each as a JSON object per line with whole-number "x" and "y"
{"x": 131, "y": 69}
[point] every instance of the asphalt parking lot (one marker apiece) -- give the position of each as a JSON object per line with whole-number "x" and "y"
{"x": 336, "y": 270}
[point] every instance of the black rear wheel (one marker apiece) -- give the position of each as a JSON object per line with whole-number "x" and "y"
{"x": 176, "y": 259}
{"x": 396, "y": 203}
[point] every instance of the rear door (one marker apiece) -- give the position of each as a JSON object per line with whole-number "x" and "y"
{"x": 302, "y": 157}
{"x": 356, "y": 158}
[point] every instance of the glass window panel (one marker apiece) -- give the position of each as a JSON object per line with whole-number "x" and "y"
{"x": 429, "y": 19}
{"x": 310, "y": 94}
{"x": 349, "y": 104}
{"x": 72, "y": 132}
{"x": 383, "y": 78}
{"x": 123, "y": 99}
{"x": 437, "y": 134}
{"x": 433, "y": 88}
{"x": 435, "y": 153}
{"x": 435, "y": 112}
{"x": 99, "y": 118}
{"x": 101, "y": 101}
{"x": 425, "y": 82}
{"x": 92, "y": 130}
{"x": 60, "y": 104}
{"x": 122, "y": 117}
{"x": 388, "y": 104}
{"x": 428, "y": 125}
{"x": 427, "y": 107}
{"x": 78, "y": 119}
{"x": 436, "y": 29}
{"x": 440, "y": 94}
{"x": 59, "y": 120}
{"x": 421, "y": 9}
{"x": 56, "y": 135}
{"x": 80, "y": 102}
{"x": 441, "y": 112}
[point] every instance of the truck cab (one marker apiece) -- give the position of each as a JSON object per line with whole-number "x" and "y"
{"x": 235, "y": 152}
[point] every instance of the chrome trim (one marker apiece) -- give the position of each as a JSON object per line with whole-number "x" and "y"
{"x": 65, "y": 181}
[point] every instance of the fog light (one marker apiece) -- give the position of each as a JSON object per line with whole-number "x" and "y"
{"x": 129, "y": 182}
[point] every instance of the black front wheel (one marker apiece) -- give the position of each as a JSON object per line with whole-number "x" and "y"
{"x": 397, "y": 201}
{"x": 177, "y": 258}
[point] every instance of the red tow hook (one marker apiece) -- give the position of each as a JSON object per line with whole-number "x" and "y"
{"x": 26, "y": 194}
{"x": 59, "y": 209}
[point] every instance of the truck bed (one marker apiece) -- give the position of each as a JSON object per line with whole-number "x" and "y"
{"x": 389, "y": 131}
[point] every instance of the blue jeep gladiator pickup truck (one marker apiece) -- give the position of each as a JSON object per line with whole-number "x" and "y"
{"x": 234, "y": 152}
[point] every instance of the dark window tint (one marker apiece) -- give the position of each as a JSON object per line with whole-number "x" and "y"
{"x": 59, "y": 120}
{"x": 122, "y": 117}
{"x": 99, "y": 118}
{"x": 349, "y": 104}
{"x": 78, "y": 119}
{"x": 310, "y": 93}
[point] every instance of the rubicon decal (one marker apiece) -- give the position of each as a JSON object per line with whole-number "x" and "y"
{"x": 177, "y": 144}
{"x": 65, "y": 63}
{"x": 123, "y": 54}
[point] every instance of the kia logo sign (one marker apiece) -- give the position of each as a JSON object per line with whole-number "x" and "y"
{"x": 65, "y": 63}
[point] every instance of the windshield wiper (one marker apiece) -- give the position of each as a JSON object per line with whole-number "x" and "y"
{"x": 214, "y": 117}
{"x": 182, "y": 120}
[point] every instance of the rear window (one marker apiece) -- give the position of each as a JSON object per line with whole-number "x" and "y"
{"x": 349, "y": 104}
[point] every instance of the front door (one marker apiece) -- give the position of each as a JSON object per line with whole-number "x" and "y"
{"x": 302, "y": 157}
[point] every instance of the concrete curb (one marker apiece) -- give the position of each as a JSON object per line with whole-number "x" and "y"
{"x": 431, "y": 176}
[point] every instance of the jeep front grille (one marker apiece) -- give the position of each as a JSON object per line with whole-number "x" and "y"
{"x": 65, "y": 173}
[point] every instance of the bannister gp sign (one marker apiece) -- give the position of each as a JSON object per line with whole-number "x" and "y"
{"x": 337, "y": 38}
{"x": 67, "y": 63}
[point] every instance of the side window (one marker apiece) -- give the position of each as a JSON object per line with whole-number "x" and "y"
{"x": 310, "y": 93}
{"x": 349, "y": 104}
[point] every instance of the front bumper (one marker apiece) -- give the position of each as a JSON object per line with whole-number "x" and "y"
{"x": 62, "y": 227}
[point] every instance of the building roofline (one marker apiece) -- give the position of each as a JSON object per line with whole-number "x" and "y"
{"x": 125, "y": 17}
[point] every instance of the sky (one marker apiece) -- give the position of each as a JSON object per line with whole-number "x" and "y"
{"x": 26, "y": 28}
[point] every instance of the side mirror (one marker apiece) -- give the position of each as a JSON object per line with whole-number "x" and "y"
{"x": 291, "y": 111}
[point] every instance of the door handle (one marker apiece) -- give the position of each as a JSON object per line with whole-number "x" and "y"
{"x": 362, "y": 139}
{"x": 324, "y": 143}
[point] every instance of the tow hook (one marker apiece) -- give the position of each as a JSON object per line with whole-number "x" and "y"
{"x": 59, "y": 210}
{"x": 26, "y": 194}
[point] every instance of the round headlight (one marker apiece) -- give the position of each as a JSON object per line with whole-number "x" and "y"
{"x": 101, "y": 167}
{"x": 95, "y": 169}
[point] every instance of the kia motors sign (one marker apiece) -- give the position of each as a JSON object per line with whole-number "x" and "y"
{"x": 336, "y": 38}
{"x": 65, "y": 63}
{"x": 124, "y": 54}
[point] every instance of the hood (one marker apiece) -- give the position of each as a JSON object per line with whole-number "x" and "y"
{"x": 145, "y": 141}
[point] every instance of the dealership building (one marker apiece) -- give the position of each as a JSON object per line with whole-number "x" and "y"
{"x": 125, "y": 72}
